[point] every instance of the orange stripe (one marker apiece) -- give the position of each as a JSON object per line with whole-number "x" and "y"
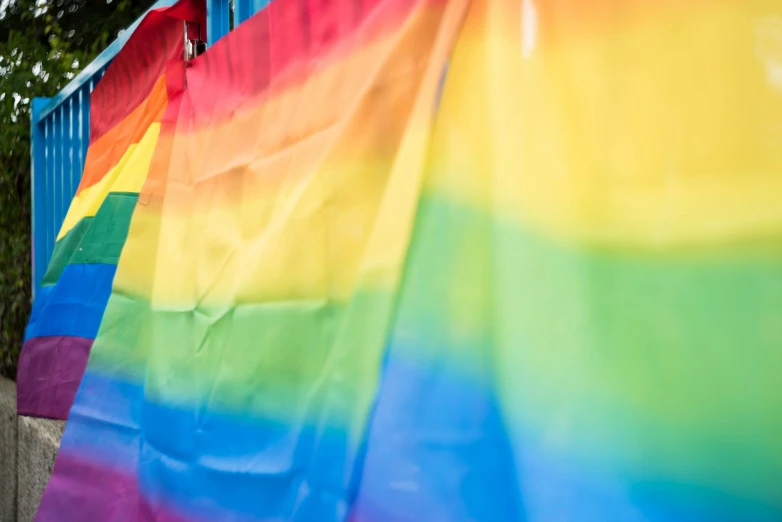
{"x": 286, "y": 136}
{"x": 106, "y": 152}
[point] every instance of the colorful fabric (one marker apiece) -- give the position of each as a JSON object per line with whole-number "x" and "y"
{"x": 124, "y": 127}
{"x": 450, "y": 260}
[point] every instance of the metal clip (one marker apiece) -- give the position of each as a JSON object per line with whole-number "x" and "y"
{"x": 193, "y": 46}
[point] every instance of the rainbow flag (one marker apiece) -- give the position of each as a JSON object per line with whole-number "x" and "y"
{"x": 126, "y": 110}
{"x": 450, "y": 260}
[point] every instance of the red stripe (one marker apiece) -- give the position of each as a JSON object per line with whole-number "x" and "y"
{"x": 281, "y": 45}
{"x": 137, "y": 67}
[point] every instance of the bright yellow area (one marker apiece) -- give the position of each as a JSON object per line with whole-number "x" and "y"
{"x": 662, "y": 130}
{"x": 127, "y": 176}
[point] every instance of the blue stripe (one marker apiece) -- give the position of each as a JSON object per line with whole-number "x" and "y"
{"x": 103, "y": 423}
{"x": 212, "y": 466}
{"x": 437, "y": 449}
{"x": 75, "y": 305}
{"x": 208, "y": 465}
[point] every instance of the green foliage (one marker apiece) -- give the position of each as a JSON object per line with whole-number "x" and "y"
{"x": 43, "y": 44}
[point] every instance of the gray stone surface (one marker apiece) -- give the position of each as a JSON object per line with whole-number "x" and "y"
{"x": 7, "y": 450}
{"x": 38, "y": 443}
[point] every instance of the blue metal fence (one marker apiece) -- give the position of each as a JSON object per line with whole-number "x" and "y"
{"x": 61, "y": 131}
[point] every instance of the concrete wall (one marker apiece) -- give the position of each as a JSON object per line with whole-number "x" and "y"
{"x": 38, "y": 441}
{"x": 28, "y": 448}
{"x": 7, "y": 450}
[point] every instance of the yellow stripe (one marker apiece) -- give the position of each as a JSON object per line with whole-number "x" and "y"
{"x": 227, "y": 240}
{"x": 127, "y": 176}
{"x": 662, "y": 132}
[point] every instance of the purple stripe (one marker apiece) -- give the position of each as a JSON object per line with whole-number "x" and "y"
{"x": 50, "y": 370}
{"x": 81, "y": 490}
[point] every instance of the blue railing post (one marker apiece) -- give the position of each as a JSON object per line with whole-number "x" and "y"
{"x": 244, "y": 9}
{"x": 56, "y": 188}
{"x": 218, "y": 14}
{"x": 38, "y": 173}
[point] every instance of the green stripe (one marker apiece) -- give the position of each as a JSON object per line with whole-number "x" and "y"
{"x": 104, "y": 240}
{"x": 64, "y": 249}
{"x": 96, "y": 239}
